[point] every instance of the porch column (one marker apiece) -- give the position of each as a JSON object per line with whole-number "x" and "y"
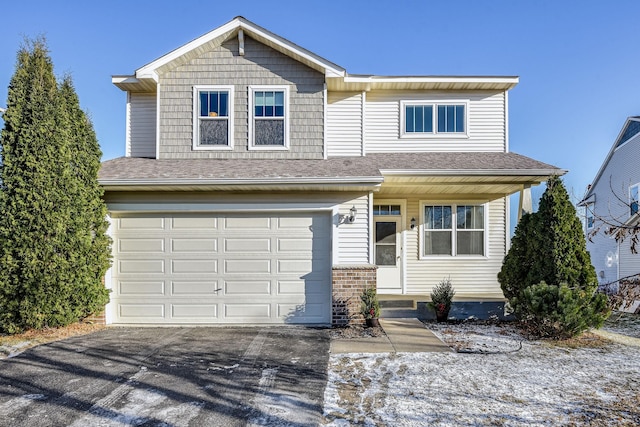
{"x": 524, "y": 204}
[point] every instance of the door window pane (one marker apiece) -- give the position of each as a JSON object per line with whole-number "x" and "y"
{"x": 385, "y": 246}
{"x": 385, "y": 255}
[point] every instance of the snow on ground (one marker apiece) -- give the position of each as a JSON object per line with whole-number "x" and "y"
{"x": 504, "y": 380}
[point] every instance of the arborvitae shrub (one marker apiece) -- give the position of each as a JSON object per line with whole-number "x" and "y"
{"x": 547, "y": 275}
{"x": 53, "y": 247}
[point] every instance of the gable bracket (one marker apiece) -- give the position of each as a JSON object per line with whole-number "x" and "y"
{"x": 241, "y": 42}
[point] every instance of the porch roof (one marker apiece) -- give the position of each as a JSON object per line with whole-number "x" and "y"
{"x": 404, "y": 173}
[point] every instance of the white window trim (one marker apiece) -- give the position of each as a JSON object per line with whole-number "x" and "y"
{"x": 631, "y": 187}
{"x": 196, "y": 118}
{"x": 434, "y": 134}
{"x": 589, "y": 212}
{"x": 287, "y": 113}
{"x": 454, "y": 231}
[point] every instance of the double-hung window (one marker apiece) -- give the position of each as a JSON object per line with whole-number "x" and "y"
{"x": 269, "y": 122}
{"x": 633, "y": 199}
{"x": 213, "y": 121}
{"x": 453, "y": 230}
{"x": 421, "y": 119}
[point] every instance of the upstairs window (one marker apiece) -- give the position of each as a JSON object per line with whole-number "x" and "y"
{"x": 213, "y": 125}
{"x": 453, "y": 230}
{"x": 269, "y": 122}
{"x": 633, "y": 199}
{"x": 421, "y": 119}
{"x": 450, "y": 118}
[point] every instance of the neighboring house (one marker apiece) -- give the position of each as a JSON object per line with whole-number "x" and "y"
{"x": 264, "y": 184}
{"x": 612, "y": 199}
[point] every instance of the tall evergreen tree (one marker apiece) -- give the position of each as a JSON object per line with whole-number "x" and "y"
{"x": 45, "y": 199}
{"x": 547, "y": 274}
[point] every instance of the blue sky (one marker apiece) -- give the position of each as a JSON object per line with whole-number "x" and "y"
{"x": 577, "y": 60}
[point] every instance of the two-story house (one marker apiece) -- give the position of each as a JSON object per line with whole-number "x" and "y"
{"x": 612, "y": 201}
{"x": 264, "y": 184}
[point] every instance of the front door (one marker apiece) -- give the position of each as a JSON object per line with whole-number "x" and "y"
{"x": 388, "y": 254}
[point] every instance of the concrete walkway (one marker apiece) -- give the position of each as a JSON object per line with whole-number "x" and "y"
{"x": 402, "y": 335}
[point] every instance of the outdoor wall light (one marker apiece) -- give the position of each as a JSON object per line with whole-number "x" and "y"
{"x": 413, "y": 223}
{"x": 349, "y": 219}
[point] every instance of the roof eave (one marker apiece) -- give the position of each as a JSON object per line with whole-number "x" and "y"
{"x": 474, "y": 172}
{"x": 345, "y": 183}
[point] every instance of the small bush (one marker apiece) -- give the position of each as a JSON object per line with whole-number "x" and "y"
{"x": 369, "y": 305}
{"x": 442, "y": 296}
{"x": 550, "y": 311}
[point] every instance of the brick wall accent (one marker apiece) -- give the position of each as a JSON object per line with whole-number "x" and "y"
{"x": 98, "y": 319}
{"x": 348, "y": 283}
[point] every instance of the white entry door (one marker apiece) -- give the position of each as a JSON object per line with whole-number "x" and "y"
{"x": 388, "y": 254}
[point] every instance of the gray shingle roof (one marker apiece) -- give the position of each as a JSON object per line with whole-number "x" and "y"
{"x": 372, "y": 166}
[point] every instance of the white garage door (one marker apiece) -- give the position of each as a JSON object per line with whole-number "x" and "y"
{"x": 215, "y": 268}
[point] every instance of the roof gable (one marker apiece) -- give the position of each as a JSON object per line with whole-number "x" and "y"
{"x": 145, "y": 78}
{"x": 630, "y": 130}
{"x": 217, "y": 36}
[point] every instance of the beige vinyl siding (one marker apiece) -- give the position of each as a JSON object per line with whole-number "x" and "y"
{"x": 486, "y": 125}
{"x": 141, "y": 125}
{"x": 471, "y": 276}
{"x": 353, "y": 241}
{"x": 344, "y": 124}
{"x": 260, "y": 65}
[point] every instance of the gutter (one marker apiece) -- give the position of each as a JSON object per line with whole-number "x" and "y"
{"x": 474, "y": 172}
{"x": 239, "y": 181}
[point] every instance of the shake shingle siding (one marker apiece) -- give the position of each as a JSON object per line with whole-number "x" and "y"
{"x": 260, "y": 65}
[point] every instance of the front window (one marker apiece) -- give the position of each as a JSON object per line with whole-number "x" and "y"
{"x": 422, "y": 119}
{"x": 213, "y": 127}
{"x": 633, "y": 199}
{"x": 453, "y": 230}
{"x": 269, "y": 118}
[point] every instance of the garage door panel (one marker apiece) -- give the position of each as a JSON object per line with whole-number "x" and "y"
{"x": 141, "y": 266}
{"x": 189, "y": 266}
{"x": 141, "y": 311}
{"x": 247, "y": 223}
{"x": 194, "y": 223}
{"x": 294, "y": 266}
{"x": 194, "y": 245}
{"x": 246, "y": 287}
{"x": 222, "y": 268}
{"x": 141, "y": 223}
{"x": 194, "y": 311}
{"x": 141, "y": 245}
{"x": 247, "y": 244}
{"x": 204, "y": 288}
{"x": 295, "y": 245}
{"x": 247, "y": 266}
{"x": 146, "y": 288}
{"x": 300, "y": 312}
{"x": 243, "y": 312}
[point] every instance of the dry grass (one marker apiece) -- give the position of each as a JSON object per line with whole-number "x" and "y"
{"x": 584, "y": 340}
{"x": 10, "y": 344}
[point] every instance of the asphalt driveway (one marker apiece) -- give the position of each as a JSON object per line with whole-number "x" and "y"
{"x": 169, "y": 377}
